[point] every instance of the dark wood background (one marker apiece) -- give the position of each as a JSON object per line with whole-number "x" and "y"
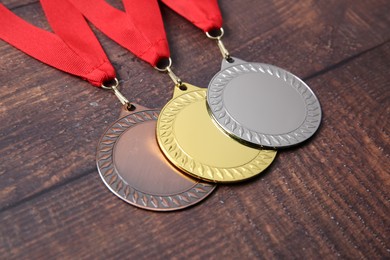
{"x": 328, "y": 198}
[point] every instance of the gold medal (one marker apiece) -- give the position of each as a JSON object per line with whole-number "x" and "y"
{"x": 190, "y": 139}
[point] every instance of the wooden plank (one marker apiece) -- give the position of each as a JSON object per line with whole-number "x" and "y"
{"x": 51, "y": 121}
{"x": 325, "y": 199}
{"x": 14, "y": 4}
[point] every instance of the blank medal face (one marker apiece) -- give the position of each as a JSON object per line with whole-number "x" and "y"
{"x": 263, "y": 105}
{"x": 192, "y": 141}
{"x": 132, "y": 166}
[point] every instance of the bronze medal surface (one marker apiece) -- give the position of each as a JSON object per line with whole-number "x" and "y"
{"x": 191, "y": 140}
{"x": 262, "y": 104}
{"x": 132, "y": 166}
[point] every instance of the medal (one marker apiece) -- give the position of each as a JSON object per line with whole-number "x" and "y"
{"x": 262, "y": 104}
{"x": 128, "y": 158}
{"x": 193, "y": 143}
{"x": 255, "y": 103}
{"x": 185, "y": 131}
{"x": 133, "y": 168}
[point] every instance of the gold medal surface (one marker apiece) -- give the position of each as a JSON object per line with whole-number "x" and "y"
{"x": 191, "y": 140}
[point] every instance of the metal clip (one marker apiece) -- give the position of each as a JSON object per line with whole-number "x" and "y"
{"x": 174, "y": 78}
{"x": 124, "y": 101}
{"x": 178, "y": 82}
{"x": 225, "y": 53}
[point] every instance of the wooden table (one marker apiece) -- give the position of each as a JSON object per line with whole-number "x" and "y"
{"x": 328, "y": 198}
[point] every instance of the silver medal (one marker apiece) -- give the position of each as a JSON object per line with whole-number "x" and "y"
{"x": 262, "y": 104}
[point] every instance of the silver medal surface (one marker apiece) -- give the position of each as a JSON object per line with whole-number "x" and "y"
{"x": 263, "y": 105}
{"x": 132, "y": 166}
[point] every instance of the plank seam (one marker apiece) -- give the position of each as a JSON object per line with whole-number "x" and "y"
{"x": 344, "y": 62}
{"x": 44, "y": 191}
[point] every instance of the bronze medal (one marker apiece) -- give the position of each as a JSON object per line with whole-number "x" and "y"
{"x": 133, "y": 168}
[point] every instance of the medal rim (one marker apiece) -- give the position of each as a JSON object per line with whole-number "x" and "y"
{"x": 264, "y": 155}
{"x": 254, "y": 138}
{"x": 123, "y": 190}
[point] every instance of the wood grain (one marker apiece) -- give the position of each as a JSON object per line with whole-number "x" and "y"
{"x": 328, "y": 198}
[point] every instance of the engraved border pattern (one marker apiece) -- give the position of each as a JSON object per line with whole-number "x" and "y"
{"x": 125, "y": 191}
{"x": 230, "y": 125}
{"x": 170, "y": 146}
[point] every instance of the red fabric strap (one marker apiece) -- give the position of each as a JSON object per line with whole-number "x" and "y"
{"x": 73, "y": 48}
{"x": 204, "y": 14}
{"x": 140, "y": 29}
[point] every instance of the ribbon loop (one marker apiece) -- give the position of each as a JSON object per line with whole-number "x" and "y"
{"x": 140, "y": 29}
{"x": 204, "y": 14}
{"x": 73, "y": 48}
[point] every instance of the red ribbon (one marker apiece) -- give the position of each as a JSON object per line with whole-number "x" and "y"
{"x": 73, "y": 48}
{"x": 140, "y": 29}
{"x": 204, "y": 14}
